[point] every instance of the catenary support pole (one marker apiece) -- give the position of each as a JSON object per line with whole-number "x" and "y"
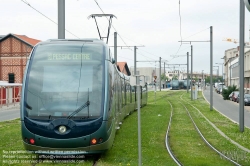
{"x": 164, "y": 77}
{"x": 139, "y": 119}
{"x": 211, "y": 68}
{"x": 241, "y": 64}
{"x": 191, "y": 86}
{"x": 187, "y": 71}
{"x": 160, "y": 74}
{"x": 135, "y": 62}
{"x": 115, "y": 47}
{"x": 61, "y": 19}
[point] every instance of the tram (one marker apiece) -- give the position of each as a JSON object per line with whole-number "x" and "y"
{"x": 74, "y": 98}
{"x": 175, "y": 85}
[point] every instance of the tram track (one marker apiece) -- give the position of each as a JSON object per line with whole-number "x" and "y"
{"x": 217, "y": 129}
{"x": 167, "y": 139}
{"x": 205, "y": 140}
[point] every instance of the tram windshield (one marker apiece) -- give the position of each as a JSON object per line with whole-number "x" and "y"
{"x": 62, "y": 78}
{"x": 175, "y": 83}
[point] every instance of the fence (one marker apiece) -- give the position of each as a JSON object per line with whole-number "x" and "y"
{"x": 10, "y": 93}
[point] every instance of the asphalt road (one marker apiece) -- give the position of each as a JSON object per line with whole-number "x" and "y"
{"x": 228, "y": 108}
{"x": 9, "y": 113}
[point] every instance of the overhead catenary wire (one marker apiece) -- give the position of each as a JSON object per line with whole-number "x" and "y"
{"x": 27, "y": 3}
{"x": 117, "y": 31}
{"x": 180, "y": 26}
{"x": 196, "y": 33}
{"x": 180, "y": 17}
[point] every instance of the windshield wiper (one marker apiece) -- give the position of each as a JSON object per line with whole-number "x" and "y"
{"x": 79, "y": 109}
{"x": 27, "y": 106}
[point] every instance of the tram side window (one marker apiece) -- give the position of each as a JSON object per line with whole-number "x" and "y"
{"x": 127, "y": 93}
{"x": 110, "y": 91}
{"x": 130, "y": 93}
{"x": 123, "y": 93}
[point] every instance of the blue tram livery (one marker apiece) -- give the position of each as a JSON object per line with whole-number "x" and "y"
{"x": 74, "y": 98}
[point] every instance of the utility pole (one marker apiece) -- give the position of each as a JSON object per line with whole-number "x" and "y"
{"x": 211, "y": 65}
{"x": 191, "y": 72}
{"x": 241, "y": 64}
{"x": 211, "y": 68}
{"x": 217, "y": 71}
{"x": 135, "y": 73}
{"x": 222, "y": 64}
{"x": 61, "y": 19}
{"x": 115, "y": 47}
{"x": 160, "y": 74}
{"x": 187, "y": 71}
{"x": 164, "y": 76}
{"x": 187, "y": 68}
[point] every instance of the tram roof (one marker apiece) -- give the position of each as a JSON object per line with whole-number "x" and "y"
{"x": 95, "y": 40}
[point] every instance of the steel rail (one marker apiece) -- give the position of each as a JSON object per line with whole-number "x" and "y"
{"x": 204, "y": 139}
{"x": 167, "y": 139}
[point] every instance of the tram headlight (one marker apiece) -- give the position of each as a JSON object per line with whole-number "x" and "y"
{"x": 62, "y": 129}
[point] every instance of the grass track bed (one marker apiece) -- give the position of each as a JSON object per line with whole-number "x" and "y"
{"x": 225, "y": 125}
{"x": 186, "y": 143}
{"x": 154, "y": 121}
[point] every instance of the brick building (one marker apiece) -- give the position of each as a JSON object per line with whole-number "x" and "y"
{"x": 14, "y": 51}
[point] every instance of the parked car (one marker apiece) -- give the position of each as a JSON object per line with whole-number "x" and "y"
{"x": 218, "y": 86}
{"x": 230, "y": 96}
{"x": 217, "y": 89}
{"x": 235, "y": 95}
{"x": 224, "y": 87}
{"x": 238, "y": 99}
{"x": 246, "y": 99}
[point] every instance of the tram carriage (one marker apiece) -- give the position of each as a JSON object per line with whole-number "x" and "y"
{"x": 175, "y": 85}
{"x": 74, "y": 98}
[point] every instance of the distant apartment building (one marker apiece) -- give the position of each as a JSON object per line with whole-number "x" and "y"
{"x": 231, "y": 68}
{"x": 150, "y": 72}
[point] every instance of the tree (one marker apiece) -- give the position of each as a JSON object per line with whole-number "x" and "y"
{"x": 167, "y": 78}
{"x": 175, "y": 77}
{"x": 196, "y": 79}
{"x": 215, "y": 79}
{"x": 163, "y": 77}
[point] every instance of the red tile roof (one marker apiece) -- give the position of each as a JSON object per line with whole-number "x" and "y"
{"x": 123, "y": 67}
{"x": 31, "y": 41}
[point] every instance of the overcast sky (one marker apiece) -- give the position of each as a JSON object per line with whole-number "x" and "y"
{"x": 154, "y": 24}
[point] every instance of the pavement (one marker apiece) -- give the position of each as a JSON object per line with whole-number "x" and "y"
{"x": 9, "y": 112}
{"x": 227, "y": 108}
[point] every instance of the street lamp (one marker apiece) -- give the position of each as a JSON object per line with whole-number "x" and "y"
{"x": 217, "y": 71}
{"x": 222, "y": 64}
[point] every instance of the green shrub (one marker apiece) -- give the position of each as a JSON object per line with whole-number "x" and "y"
{"x": 228, "y": 91}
